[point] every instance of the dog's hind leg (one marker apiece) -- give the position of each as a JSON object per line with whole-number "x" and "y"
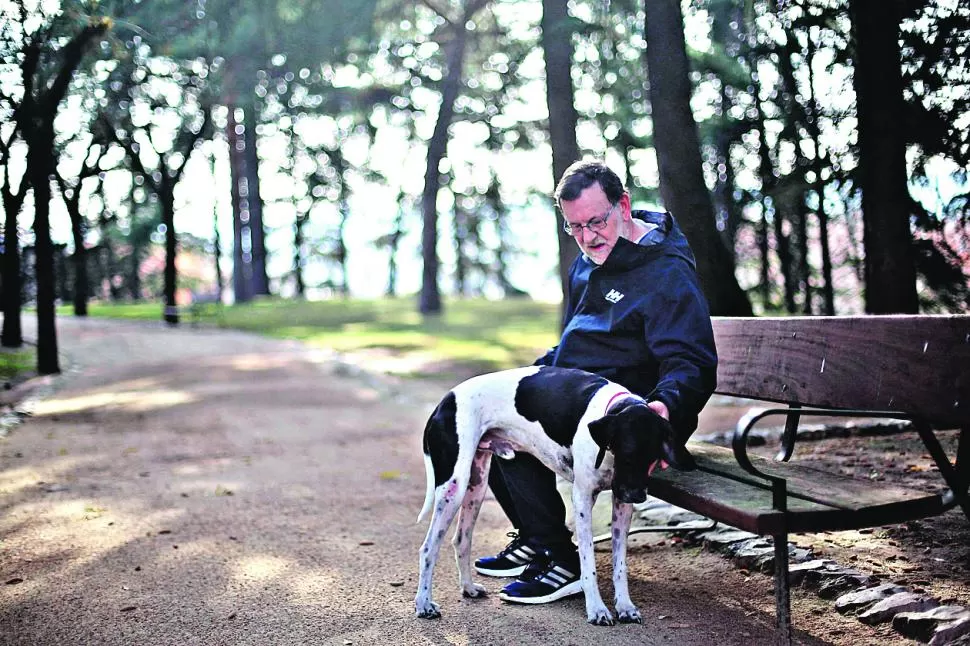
{"x": 471, "y": 505}
{"x": 447, "y": 500}
{"x": 626, "y": 612}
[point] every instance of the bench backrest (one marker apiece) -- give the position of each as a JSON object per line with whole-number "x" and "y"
{"x": 914, "y": 364}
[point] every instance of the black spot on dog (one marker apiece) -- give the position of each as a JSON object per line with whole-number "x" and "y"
{"x": 441, "y": 439}
{"x": 557, "y": 398}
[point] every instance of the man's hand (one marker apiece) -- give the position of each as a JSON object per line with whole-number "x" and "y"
{"x": 659, "y": 408}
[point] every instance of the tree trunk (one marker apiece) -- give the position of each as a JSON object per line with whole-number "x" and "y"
{"x": 828, "y": 292}
{"x": 12, "y": 335}
{"x": 393, "y": 243}
{"x": 167, "y": 198}
{"x": 79, "y": 259}
{"x": 216, "y": 242}
{"x": 430, "y": 302}
{"x": 890, "y": 268}
{"x": 795, "y": 185}
{"x": 241, "y": 258}
{"x": 785, "y": 255}
{"x": 557, "y": 47}
{"x": 298, "y": 259}
{"x": 803, "y": 269}
{"x": 460, "y": 234}
{"x": 40, "y": 167}
{"x": 767, "y": 175}
{"x": 254, "y": 203}
{"x": 343, "y": 208}
{"x": 678, "y": 154}
{"x": 81, "y": 287}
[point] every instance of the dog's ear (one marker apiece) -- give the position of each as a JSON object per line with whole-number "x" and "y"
{"x": 601, "y": 430}
{"x": 678, "y": 455}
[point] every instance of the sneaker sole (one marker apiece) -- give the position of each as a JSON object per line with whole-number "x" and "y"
{"x": 568, "y": 590}
{"x": 500, "y": 573}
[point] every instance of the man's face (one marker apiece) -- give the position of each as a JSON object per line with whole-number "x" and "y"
{"x": 593, "y": 206}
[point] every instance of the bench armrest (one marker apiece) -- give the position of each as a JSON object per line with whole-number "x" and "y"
{"x": 739, "y": 442}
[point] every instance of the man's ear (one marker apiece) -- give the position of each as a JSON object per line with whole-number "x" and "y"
{"x": 601, "y": 430}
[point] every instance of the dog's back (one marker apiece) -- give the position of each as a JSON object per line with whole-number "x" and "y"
{"x": 532, "y": 398}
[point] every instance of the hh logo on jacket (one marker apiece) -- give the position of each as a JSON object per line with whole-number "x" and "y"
{"x": 614, "y": 296}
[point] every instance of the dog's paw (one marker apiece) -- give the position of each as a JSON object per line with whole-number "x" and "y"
{"x": 600, "y": 617}
{"x": 474, "y": 591}
{"x": 428, "y": 610}
{"x": 629, "y": 616}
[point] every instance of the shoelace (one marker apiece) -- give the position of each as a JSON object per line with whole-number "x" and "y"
{"x": 512, "y": 544}
{"x": 540, "y": 566}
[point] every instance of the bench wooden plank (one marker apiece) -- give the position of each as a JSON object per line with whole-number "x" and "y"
{"x": 915, "y": 364}
{"x": 818, "y": 500}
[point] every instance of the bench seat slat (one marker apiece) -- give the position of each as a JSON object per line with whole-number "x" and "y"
{"x": 722, "y": 490}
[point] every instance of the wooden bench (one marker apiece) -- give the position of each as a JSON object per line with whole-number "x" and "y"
{"x": 914, "y": 368}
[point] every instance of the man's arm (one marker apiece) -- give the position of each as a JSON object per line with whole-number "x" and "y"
{"x": 678, "y": 334}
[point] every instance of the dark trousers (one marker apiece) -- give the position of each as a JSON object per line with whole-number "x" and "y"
{"x": 526, "y": 491}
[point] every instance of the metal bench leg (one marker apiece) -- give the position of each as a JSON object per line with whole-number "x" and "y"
{"x": 956, "y": 477}
{"x": 782, "y": 592}
{"x": 963, "y": 471}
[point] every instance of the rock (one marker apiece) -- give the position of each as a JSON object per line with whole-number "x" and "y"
{"x": 657, "y": 512}
{"x": 903, "y": 602}
{"x": 798, "y": 571}
{"x": 799, "y": 554}
{"x": 938, "y": 626}
{"x": 756, "y": 554}
{"x": 828, "y": 576}
{"x": 852, "y": 603}
{"x": 838, "y": 585}
{"x": 724, "y": 536}
{"x": 681, "y": 517}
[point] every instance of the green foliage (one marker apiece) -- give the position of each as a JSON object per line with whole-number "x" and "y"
{"x": 471, "y": 336}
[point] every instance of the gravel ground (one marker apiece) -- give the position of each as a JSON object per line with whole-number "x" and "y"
{"x": 192, "y": 486}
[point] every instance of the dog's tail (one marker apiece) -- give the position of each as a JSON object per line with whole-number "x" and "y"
{"x": 440, "y": 448}
{"x": 429, "y": 496}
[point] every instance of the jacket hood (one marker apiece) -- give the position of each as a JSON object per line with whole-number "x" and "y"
{"x": 666, "y": 240}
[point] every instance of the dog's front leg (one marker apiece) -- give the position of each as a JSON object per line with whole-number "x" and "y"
{"x": 472, "y": 504}
{"x": 596, "y": 611}
{"x": 626, "y": 612}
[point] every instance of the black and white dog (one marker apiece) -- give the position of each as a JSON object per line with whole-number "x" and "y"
{"x": 584, "y": 427}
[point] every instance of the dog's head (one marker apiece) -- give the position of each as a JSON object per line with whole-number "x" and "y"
{"x": 637, "y": 437}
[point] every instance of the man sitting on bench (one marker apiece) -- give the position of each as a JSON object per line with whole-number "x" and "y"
{"x": 636, "y": 315}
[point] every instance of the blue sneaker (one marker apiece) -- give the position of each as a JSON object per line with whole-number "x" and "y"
{"x": 511, "y": 561}
{"x": 548, "y": 578}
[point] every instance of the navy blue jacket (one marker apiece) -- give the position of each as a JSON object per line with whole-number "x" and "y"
{"x": 642, "y": 321}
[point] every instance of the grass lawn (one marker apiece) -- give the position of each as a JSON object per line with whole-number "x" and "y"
{"x": 16, "y": 362}
{"x": 474, "y": 335}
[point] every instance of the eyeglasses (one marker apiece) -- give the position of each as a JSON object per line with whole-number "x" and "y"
{"x": 595, "y": 225}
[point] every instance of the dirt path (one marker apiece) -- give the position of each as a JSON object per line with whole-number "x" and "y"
{"x": 199, "y": 487}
